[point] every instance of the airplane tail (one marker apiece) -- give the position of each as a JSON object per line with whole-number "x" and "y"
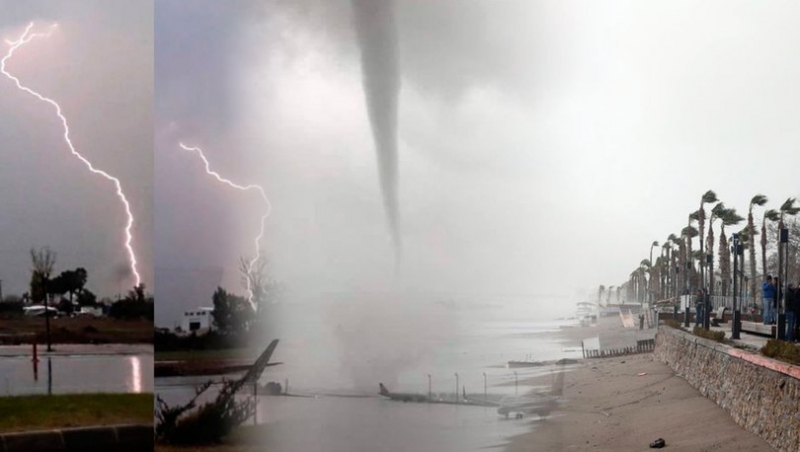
{"x": 383, "y": 390}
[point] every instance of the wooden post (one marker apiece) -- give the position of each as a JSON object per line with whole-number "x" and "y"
{"x": 255, "y": 397}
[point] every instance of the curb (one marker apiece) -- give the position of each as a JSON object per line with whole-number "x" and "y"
{"x": 120, "y": 438}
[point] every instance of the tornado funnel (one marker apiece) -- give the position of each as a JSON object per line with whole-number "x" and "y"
{"x": 377, "y": 39}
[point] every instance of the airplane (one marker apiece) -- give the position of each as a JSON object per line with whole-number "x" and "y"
{"x": 540, "y": 403}
{"x": 39, "y": 310}
{"x": 402, "y": 396}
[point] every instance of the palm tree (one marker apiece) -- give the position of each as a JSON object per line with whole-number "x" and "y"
{"x": 707, "y": 198}
{"x": 689, "y": 232}
{"x": 745, "y": 240}
{"x": 758, "y": 200}
{"x": 631, "y": 294}
{"x": 771, "y": 215}
{"x": 716, "y": 213}
{"x": 645, "y": 267}
{"x": 666, "y": 253}
{"x": 787, "y": 208}
{"x": 676, "y": 259}
{"x": 650, "y": 280}
{"x": 729, "y": 218}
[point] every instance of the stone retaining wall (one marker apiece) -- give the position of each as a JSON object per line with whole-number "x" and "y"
{"x": 761, "y": 394}
{"x": 116, "y": 438}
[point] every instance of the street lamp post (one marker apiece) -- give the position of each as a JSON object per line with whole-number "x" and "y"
{"x": 429, "y": 388}
{"x": 515, "y": 383}
{"x": 456, "y": 387}
{"x": 686, "y": 283}
{"x": 736, "y": 307}
{"x": 484, "y": 387}
{"x": 650, "y": 276}
{"x": 783, "y": 267}
{"x": 707, "y": 301}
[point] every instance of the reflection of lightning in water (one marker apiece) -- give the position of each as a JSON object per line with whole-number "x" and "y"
{"x": 136, "y": 374}
{"x": 243, "y": 188}
{"x": 26, "y": 37}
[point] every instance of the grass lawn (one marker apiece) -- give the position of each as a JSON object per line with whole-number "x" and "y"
{"x": 38, "y": 412}
{"x": 75, "y": 330}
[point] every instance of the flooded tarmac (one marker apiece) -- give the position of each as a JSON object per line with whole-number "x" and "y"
{"x": 76, "y": 373}
{"x": 346, "y": 423}
{"x": 337, "y": 408}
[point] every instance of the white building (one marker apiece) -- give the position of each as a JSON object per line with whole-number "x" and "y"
{"x": 198, "y": 320}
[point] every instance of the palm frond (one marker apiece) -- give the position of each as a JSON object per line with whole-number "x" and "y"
{"x": 772, "y": 215}
{"x": 788, "y": 205}
{"x": 730, "y": 217}
{"x": 689, "y": 231}
{"x": 758, "y": 200}
{"x": 717, "y": 211}
{"x": 709, "y": 197}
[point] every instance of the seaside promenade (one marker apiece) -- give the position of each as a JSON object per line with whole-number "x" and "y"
{"x": 696, "y": 394}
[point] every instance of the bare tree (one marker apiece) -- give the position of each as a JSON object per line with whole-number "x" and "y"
{"x": 43, "y": 262}
{"x": 256, "y": 280}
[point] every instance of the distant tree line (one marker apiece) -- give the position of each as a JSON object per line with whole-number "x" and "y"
{"x": 694, "y": 258}
{"x": 69, "y": 287}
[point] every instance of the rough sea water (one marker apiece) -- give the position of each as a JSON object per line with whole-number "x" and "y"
{"x": 335, "y": 362}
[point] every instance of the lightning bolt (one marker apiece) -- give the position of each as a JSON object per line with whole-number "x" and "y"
{"x": 232, "y": 184}
{"x": 27, "y": 37}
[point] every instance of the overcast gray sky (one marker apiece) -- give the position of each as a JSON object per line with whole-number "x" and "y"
{"x": 542, "y": 145}
{"x": 98, "y": 65}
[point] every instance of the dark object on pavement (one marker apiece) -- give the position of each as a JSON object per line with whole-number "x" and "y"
{"x": 658, "y": 444}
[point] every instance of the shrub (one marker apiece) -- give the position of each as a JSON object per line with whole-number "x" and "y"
{"x": 718, "y": 336}
{"x": 672, "y": 323}
{"x": 131, "y": 309}
{"x": 14, "y": 307}
{"x": 781, "y": 350}
{"x": 208, "y": 424}
{"x": 166, "y": 341}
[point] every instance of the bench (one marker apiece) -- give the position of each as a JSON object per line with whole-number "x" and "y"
{"x": 718, "y": 315}
{"x": 758, "y": 328}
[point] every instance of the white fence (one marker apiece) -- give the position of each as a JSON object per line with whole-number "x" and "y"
{"x": 718, "y": 301}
